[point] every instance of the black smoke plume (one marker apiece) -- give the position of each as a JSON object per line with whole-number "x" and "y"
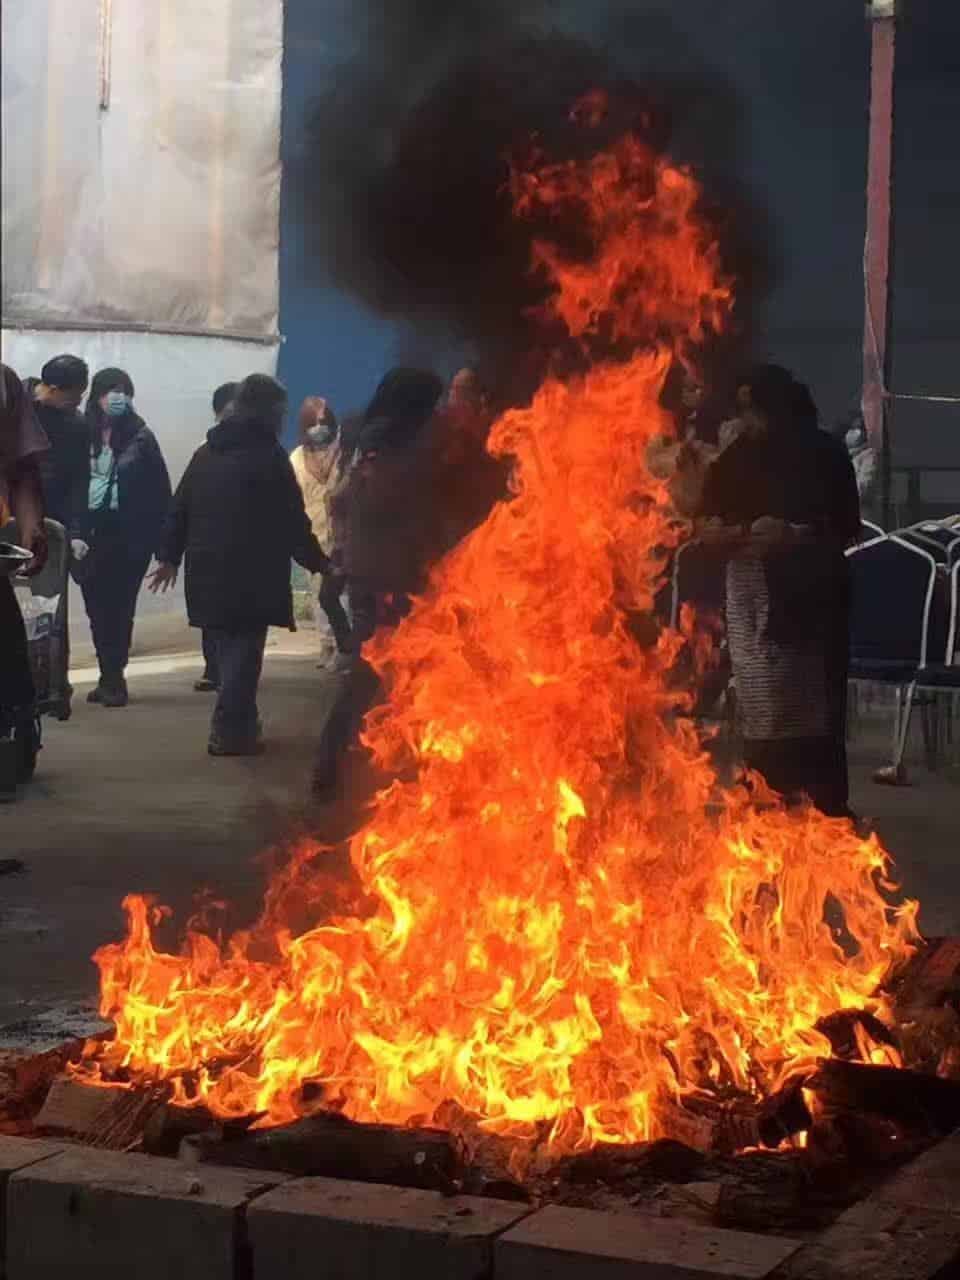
{"x": 406, "y": 158}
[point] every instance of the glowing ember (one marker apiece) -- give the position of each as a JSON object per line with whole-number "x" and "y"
{"x": 571, "y": 925}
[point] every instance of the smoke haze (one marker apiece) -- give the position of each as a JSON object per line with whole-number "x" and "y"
{"x": 408, "y": 143}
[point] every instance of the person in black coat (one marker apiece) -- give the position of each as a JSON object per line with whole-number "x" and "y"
{"x": 128, "y": 499}
{"x": 65, "y": 468}
{"x": 65, "y": 474}
{"x": 238, "y": 518}
{"x": 209, "y": 682}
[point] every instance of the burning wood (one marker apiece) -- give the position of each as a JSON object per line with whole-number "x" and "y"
{"x": 570, "y": 924}
{"x": 919, "y": 1104}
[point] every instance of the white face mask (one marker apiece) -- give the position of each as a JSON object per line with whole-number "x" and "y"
{"x": 854, "y": 438}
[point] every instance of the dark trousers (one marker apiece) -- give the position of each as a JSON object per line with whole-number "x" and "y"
{"x": 331, "y": 589}
{"x": 211, "y": 661}
{"x": 111, "y": 583}
{"x": 16, "y": 682}
{"x": 359, "y": 689}
{"x": 239, "y": 656}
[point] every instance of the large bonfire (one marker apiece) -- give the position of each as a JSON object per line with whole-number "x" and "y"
{"x": 570, "y": 925}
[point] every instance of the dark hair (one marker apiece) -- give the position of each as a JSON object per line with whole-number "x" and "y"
{"x": 65, "y": 373}
{"x": 224, "y": 395}
{"x": 11, "y": 394}
{"x": 109, "y": 380}
{"x": 260, "y": 396}
{"x": 773, "y": 391}
{"x": 404, "y": 400}
{"x": 103, "y": 382}
{"x": 805, "y": 411}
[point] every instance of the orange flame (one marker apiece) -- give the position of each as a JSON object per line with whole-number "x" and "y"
{"x": 571, "y": 924}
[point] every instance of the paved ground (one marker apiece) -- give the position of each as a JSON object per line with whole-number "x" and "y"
{"x": 128, "y": 800}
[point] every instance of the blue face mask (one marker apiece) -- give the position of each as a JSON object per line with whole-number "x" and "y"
{"x": 117, "y": 404}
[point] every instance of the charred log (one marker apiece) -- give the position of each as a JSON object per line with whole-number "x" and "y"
{"x": 168, "y": 1126}
{"x": 842, "y": 1028}
{"x": 783, "y": 1115}
{"x": 663, "y": 1161}
{"x": 329, "y": 1145}
{"x": 931, "y": 978}
{"x": 919, "y": 1103}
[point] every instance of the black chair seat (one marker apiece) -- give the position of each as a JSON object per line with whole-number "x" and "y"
{"x": 939, "y": 676}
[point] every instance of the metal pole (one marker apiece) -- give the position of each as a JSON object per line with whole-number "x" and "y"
{"x": 877, "y": 354}
{"x": 106, "y": 53}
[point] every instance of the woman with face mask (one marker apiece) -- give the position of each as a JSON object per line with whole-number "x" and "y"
{"x": 319, "y": 463}
{"x": 129, "y": 496}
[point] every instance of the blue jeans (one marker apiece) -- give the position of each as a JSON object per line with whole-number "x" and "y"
{"x": 239, "y": 656}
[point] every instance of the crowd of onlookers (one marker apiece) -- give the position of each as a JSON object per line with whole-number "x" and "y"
{"x": 365, "y": 506}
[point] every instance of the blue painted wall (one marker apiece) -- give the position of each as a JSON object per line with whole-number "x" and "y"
{"x": 332, "y": 347}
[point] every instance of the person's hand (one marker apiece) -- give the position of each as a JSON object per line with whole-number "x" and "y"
{"x": 730, "y": 431}
{"x": 715, "y": 533}
{"x": 163, "y": 578}
{"x": 802, "y": 532}
{"x": 79, "y": 549}
{"x": 768, "y": 532}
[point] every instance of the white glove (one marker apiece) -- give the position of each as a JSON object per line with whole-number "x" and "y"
{"x": 79, "y": 548}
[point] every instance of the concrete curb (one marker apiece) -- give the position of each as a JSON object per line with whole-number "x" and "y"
{"x": 81, "y": 1212}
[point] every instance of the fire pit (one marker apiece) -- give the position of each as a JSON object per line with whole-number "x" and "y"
{"x": 580, "y": 971}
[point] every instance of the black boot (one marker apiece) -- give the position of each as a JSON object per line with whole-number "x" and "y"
{"x": 29, "y": 743}
{"x": 114, "y": 693}
{"x": 8, "y": 768}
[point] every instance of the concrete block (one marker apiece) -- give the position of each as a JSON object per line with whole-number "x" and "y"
{"x": 907, "y": 1229}
{"x": 323, "y": 1228}
{"x": 17, "y": 1154}
{"x": 930, "y": 1182}
{"x": 580, "y": 1244}
{"x": 881, "y": 1242}
{"x": 86, "y": 1213}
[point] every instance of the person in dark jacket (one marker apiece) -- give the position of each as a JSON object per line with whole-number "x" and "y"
{"x": 238, "y": 518}
{"x": 128, "y": 499}
{"x": 389, "y": 528}
{"x": 223, "y": 401}
{"x": 65, "y": 468}
{"x": 385, "y": 514}
{"x": 22, "y": 446}
{"x": 782, "y": 500}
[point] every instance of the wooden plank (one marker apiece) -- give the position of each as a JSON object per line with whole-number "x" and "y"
{"x": 109, "y": 1118}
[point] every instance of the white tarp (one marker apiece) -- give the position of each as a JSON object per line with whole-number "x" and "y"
{"x": 141, "y": 170}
